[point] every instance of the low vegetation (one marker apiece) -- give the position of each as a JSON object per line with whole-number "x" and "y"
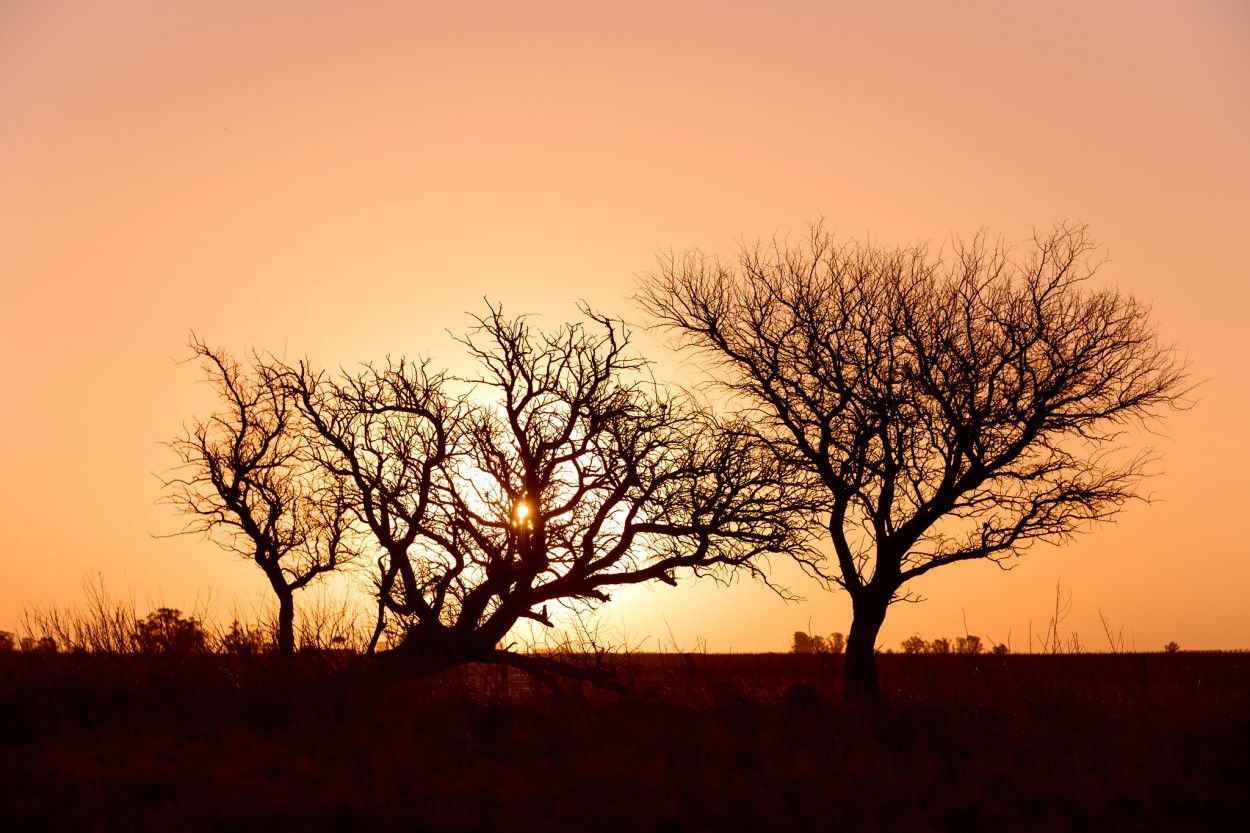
{"x": 204, "y": 741}
{"x": 110, "y": 720}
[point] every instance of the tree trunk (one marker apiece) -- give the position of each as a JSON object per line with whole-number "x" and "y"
{"x": 286, "y": 624}
{"x": 861, "y": 646}
{"x": 428, "y": 649}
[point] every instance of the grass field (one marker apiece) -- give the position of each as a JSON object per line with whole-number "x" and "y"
{"x": 703, "y": 742}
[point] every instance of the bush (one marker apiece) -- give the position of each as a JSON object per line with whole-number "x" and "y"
{"x": 805, "y": 643}
{"x": 6, "y": 642}
{"x": 968, "y": 645}
{"x": 1171, "y": 647}
{"x": 43, "y": 644}
{"x": 166, "y": 632}
{"x": 242, "y": 640}
{"x": 914, "y": 644}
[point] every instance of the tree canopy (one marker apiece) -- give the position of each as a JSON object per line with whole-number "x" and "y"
{"x": 950, "y": 408}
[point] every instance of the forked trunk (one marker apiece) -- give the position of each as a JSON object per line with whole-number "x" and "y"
{"x": 861, "y": 647}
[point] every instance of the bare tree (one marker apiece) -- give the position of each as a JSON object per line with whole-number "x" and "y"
{"x": 558, "y": 473}
{"x": 951, "y": 410}
{"x": 251, "y": 483}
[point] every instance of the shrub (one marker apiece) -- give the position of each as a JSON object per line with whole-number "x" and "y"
{"x": 43, "y": 644}
{"x": 805, "y": 643}
{"x": 6, "y": 642}
{"x": 242, "y": 640}
{"x": 166, "y": 631}
{"x": 914, "y": 644}
{"x": 1171, "y": 647}
{"x": 968, "y": 645}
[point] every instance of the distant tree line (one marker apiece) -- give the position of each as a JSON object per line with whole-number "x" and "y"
{"x": 969, "y": 644}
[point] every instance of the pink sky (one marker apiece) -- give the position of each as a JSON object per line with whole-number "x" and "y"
{"x": 345, "y": 180}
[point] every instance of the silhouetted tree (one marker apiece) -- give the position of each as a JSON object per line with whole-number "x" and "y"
{"x": 41, "y": 644}
{"x": 914, "y": 644}
{"x": 968, "y": 645}
{"x": 7, "y": 642}
{"x": 167, "y": 631}
{"x": 241, "y": 640}
{"x": 952, "y": 410}
{"x": 805, "y": 643}
{"x": 559, "y": 472}
{"x": 252, "y": 484}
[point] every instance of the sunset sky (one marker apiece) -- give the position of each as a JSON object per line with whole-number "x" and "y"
{"x": 346, "y": 180}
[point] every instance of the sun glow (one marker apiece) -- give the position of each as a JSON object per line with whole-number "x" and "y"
{"x": 522, "y": 512}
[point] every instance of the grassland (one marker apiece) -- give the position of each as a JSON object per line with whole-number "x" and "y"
{"x": 329, "y": 742}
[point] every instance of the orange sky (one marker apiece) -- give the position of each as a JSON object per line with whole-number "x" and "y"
{"x": 344, "y": 180}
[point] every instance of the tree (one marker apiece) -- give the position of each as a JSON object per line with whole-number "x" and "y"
{"x": 167, "y": 631}
{"x": 559, "y": 472}
{"x": 42, "y": 644}
{"x": 950, "y": 409}
{"x": 252, "y": 484}
{"x": 914, "y": 644}
{"x": 805, "y": 643}
{"x": 968, "y": 644}
{"x": 245, "y": 641}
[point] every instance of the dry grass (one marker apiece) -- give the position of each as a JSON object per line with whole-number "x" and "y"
{"x": 705, "y": 742}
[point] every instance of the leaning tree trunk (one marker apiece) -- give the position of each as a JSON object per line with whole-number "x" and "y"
{"x": 430, "y": 647}
{"x": 861, "y": 645}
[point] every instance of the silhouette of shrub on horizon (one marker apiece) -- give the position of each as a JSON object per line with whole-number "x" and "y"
{"x": 806, "y": 643}
{"x": 968, "y": 645}
{"x": 915, "y": 644}
{"x": 244, "y": 640}
{"x": 166, "y": 631}
{"x": 42, "y": 644}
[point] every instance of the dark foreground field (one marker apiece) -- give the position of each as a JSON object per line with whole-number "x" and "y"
{"x": 705, "y": 742}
